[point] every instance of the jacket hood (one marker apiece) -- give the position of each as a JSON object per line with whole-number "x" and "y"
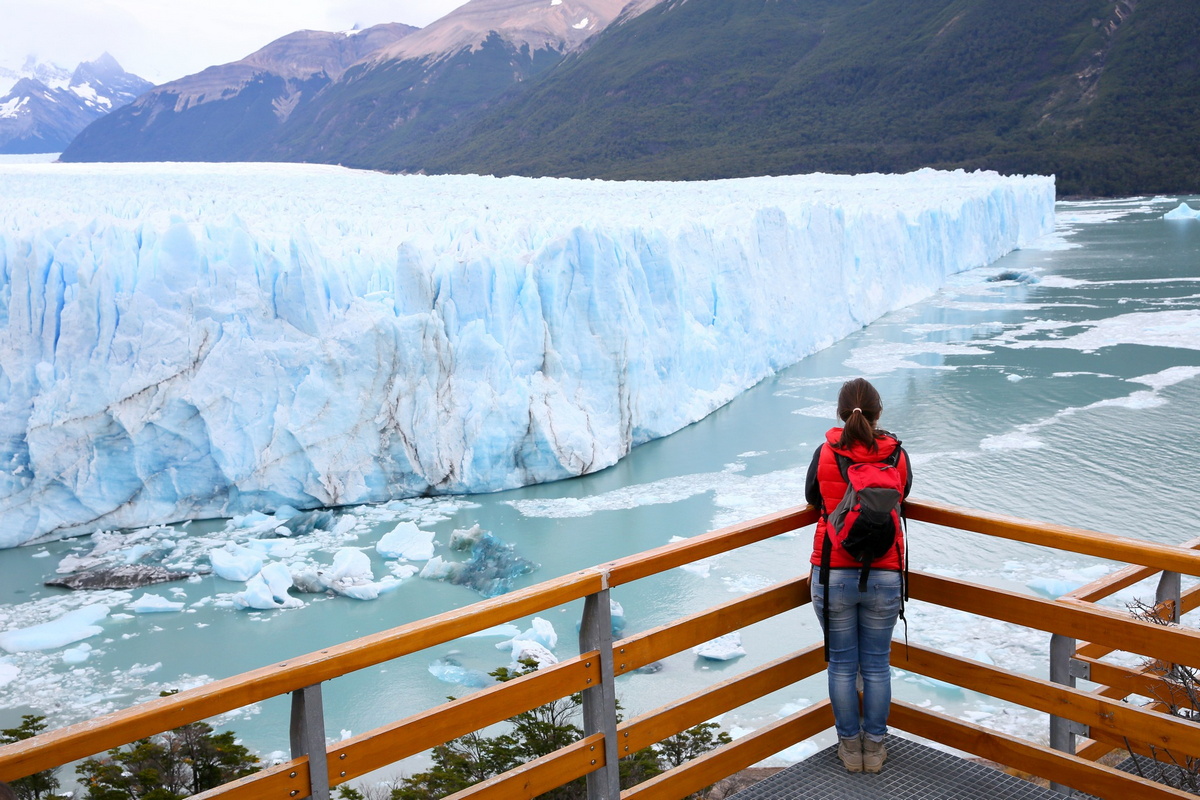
{"x": 886, "y": 444}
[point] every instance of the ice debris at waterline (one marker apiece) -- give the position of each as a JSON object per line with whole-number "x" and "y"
{"x": 1182, "y": 211}
{"x": 184, "y": 341}
{"x": 252, "y": 551}
{"x": 449, "y": 670}
{"x": 490, "y": 569}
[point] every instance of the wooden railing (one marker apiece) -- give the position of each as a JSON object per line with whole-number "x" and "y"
{"x": 315, "y": 768}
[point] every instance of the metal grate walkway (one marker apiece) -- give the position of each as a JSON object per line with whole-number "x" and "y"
{"x": 913, "y": 772}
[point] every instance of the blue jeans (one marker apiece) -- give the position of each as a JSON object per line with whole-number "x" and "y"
{"x": 860, "y": 641}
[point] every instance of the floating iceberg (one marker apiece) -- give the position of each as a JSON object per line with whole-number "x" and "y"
{"x": 75, "y": 655}
{"x": 235, "y": 563}
{"x": 406, "y": 541}
{"x": 184, "y": 341}
{"x": 723, "y": 648}
{"x": 351, "y": 576}
{"x": 268, "y": 589}
{"x": 153, "y": 603}
{"x": 523, "y": 650}
{"x": 67, "y": 629}
{"x": 541, "y": 632}
{"x": 1182, "y": 211}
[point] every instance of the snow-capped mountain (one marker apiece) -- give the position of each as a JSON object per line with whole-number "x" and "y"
{"x": 47, "y": 73}
{"x": 45, "y": 106}
{"x": 408, "y": 84}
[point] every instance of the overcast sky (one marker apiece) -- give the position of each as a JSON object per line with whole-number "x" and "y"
{"x": 166, "y": 39}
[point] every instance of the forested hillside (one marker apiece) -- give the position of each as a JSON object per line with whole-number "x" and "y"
{"x": 1104, "y": 95}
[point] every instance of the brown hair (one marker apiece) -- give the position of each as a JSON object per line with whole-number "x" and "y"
{"x": 6, "y": 792}
{"x": 859, "y": 406}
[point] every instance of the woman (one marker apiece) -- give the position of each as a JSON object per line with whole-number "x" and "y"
{"x": 857, "y": 617}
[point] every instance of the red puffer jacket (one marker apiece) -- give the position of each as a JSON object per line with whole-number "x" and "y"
{"x": 825, "y": 485}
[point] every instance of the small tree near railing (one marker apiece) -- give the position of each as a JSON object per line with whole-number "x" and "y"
{"x": 40, "y": 784}
{"x": 171, "y": 766}
{"x": 1181, "y": 698}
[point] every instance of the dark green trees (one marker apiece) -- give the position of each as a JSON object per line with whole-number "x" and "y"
{"x": 172, "y": 766}
{"x": 39, "y": 784}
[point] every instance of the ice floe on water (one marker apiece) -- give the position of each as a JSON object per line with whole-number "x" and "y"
{"x": 235, "y": 563}
{"x": 723, "y": 648}
{"x": 668, "y": 490}
{"x": 8, "y": 672}
{"x": 882, "y": 358}
{"x": 1183, "y": 212}
{"x": 1178, "y": 328}
{"x": 150, "y": 603}
{"x": 72, "y": 626}
{"x": 1024, "y": 437}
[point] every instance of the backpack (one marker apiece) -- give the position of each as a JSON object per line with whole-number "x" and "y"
{"x": 867, "y": 522}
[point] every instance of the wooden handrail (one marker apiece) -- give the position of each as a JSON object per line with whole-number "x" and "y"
{"x": 1171, "y": 733}
{"x": 1077, "y": 540}
{"x": 1071, "y": 616}
{"x": 1076, "y": 620}
{"x": 1121, "y": 579}
{"x": 147, "y": 719}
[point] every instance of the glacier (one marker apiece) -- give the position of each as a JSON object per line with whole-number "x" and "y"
{"x": 182, "y": 341}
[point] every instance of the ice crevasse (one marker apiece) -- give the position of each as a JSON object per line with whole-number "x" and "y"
{"x": 181, "y": 341}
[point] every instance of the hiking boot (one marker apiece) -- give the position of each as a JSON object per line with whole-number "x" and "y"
{"x": 851, "y": 753}
{"x": 873, "y": 755}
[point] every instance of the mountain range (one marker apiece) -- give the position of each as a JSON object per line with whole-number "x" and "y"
{"x": 386, "y": 87}
{"x": 44, "y": 106}
{"x": 1102, "y": 94}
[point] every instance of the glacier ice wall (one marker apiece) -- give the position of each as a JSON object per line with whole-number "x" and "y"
{"x": 183, "y": 341}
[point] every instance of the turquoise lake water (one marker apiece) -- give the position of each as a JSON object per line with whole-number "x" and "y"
{"x": 1058, "y": 384}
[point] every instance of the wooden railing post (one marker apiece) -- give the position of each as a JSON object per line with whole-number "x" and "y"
{"x": 1169, "y": 590}
{"x": 1064, "y": 669}
{"x": 600, "y": 702}
{"x": 308, "y": 738}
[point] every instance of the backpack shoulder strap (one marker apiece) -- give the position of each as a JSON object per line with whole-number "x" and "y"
{"x": 844, "y": 463}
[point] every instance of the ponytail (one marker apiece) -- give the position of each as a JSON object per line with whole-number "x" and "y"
{"x": 859, "y": 407}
